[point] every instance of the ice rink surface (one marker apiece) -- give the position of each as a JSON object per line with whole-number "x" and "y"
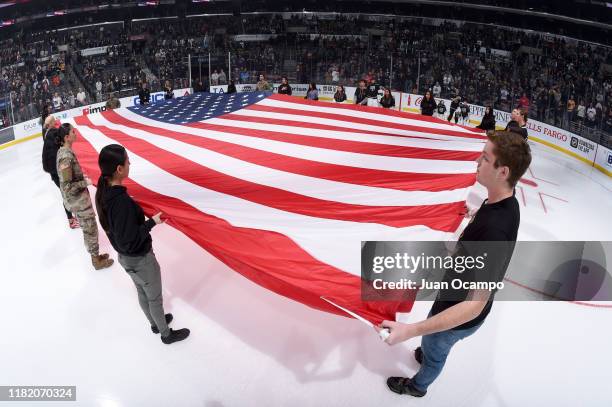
{"x": 66, "y": 324}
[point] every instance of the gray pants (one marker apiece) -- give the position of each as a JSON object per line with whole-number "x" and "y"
{"x": 145, "y": 273}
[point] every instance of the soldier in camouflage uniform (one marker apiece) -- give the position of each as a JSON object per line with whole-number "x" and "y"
{"x": 73, "y": 185}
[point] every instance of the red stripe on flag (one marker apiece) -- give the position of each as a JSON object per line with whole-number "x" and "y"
{"x": 444, "y": 217}
{"x": 362, "y": 120}
{"x": 360, "y": 147}
{"x": 309, "y": 125}
{"x": 269, "y": 259}
{"x": 404, "y": 181}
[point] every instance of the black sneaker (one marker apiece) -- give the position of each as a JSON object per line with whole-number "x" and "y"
{"x": 169, "y": 319}
{"x": 418, "y": 355}
{"x": 175, "y": 336}
{"x": 403, "y": 385}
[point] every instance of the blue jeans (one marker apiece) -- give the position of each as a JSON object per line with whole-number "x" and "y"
{"x": 436, "y": 348}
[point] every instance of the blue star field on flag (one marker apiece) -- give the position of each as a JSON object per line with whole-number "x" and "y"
{"x": 197, "y": 107}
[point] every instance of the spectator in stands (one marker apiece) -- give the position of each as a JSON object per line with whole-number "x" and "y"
{"x": 214, "y": 78}
{"x": 284, "y": 88}
{"x": 518, "y": 124}
{"x": 57, "y": 102}
{"x": 361, "y": 94}
{"x": 222, "y": 77}
{"x": 488, "y": 120}
{"x": 591, "y": 114}
{"x": 428, "y": 104}
{"x": 231, "y": 88}
{"x": 168, "y": 91}
{"x": 335, "y": 75}
{"x": 340, "y": 95}
{"x": 263, "y": 84}
{"x": 387, "y": 100}
{"x": 81, "y": 97}
{"x": 312, "y": 93}
{"x": 144, "y": 95}
{"x": 244, "y": 76}
{"x": 524, "y": 102}
{"x": 71, "y": 100}
{"x": 581, "y": 112}
{"x": 437, "y": 89}
{"x": 608, "y": 122}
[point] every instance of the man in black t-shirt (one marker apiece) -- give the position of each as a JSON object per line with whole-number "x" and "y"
{"x": 504, "y": 160}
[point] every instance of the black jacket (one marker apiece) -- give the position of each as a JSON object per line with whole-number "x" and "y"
{"x": 372, "y": 90}
{"x": 454, "y": 104}
{"x": 49, "y": 152}
{"x": 231, "y": 88}
{"x": 144, "y": 95}
{"x": 428, "y": 106}
{"x": 128, "y": 232}
{"x": 339, "y": 97}
{"x": 284, "y": 89}
{"x": 360, "y": 95}
{"x": 487, "y": 123}
{"x": 516, "y": 128}
{"x": 387, "y": 102}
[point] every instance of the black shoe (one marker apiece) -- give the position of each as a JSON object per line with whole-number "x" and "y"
{"x": 175, "y": 336}
{"x": 169, "y": 319}
{"x": 418, "y": 355}
{"x": 403, "y": 385}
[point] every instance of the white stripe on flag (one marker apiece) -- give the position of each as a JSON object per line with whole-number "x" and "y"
{"x": 418, "y": 165}
{"x": 304, "y": 185}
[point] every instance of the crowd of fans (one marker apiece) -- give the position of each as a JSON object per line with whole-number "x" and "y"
{"x": 558, "y": 80}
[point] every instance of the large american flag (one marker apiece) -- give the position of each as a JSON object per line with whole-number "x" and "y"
{"x": 283, "y": 190}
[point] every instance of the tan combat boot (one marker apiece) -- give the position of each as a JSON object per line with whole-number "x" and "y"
{"x": 101, "y": 261}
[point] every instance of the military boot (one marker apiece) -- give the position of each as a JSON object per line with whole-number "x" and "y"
{"x": 101, "y": 261}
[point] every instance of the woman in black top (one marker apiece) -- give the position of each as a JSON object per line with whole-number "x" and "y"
{"x": 49, "y": 158}
{"x": 231, "y": 88}
{"x": 340, "y": 95}
{"x": 488, "y": 121}
{"x": 124, "y": 222}
{"x": 428, "y": 104}
{"x": 387, "y": 101}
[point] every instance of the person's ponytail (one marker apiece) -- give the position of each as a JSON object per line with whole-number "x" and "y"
{"x": 100, "y": 204}
{"x": 110, "y": 157}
